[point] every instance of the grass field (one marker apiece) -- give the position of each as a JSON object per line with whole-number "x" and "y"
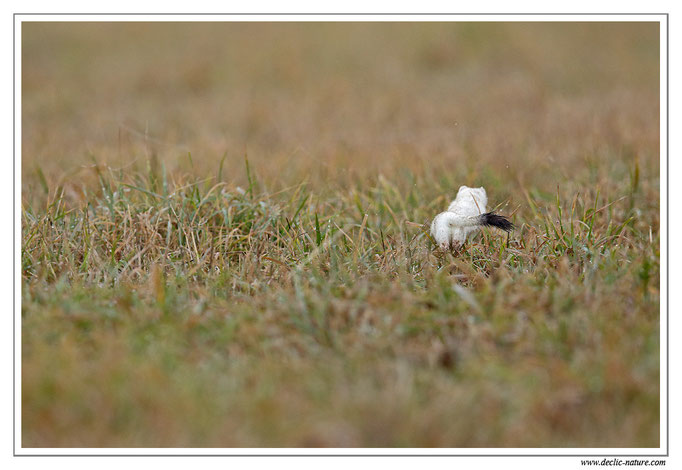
{"x": 222, "y": 239}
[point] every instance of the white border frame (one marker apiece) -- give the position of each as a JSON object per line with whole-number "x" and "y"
{"x": 595, "y": 453}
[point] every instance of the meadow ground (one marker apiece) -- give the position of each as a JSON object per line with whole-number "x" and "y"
{"x": 222, "y": 241}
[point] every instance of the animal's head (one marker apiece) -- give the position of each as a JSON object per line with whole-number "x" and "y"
{"x": 475, "y": 191}
{"x": 478, "y": 194}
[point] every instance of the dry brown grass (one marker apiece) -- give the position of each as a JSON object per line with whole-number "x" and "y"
{"x": 164, "y": 305}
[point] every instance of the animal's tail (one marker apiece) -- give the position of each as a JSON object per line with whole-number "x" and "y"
{"x": 491, "y": 219}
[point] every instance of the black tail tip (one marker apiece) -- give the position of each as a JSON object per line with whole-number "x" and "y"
{"x": 492, "y": 219}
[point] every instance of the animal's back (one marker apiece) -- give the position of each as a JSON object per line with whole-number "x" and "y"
{"x": 469, "y": 202}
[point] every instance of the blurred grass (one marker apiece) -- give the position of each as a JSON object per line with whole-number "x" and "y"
{"x": 221, "y": 242}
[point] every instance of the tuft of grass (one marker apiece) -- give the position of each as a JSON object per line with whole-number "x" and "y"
{"x": 207, "y": 278}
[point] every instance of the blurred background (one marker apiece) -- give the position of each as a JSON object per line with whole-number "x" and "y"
{"x": 329, "y": 102}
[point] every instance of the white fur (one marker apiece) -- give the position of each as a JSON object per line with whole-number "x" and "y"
{"x": 452, "y": 227}
{"x": 469, "y": 201}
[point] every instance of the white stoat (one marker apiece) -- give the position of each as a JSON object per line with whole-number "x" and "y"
{"x": 466, "y": 214}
